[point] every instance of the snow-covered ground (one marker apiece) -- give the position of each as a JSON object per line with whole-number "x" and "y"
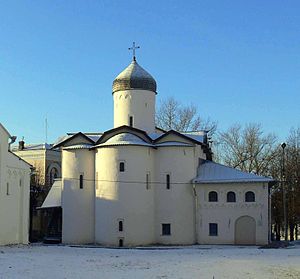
{"x": 45, "y": 262}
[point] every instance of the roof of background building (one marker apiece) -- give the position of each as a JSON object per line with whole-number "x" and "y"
{"x": 38, "y": 146}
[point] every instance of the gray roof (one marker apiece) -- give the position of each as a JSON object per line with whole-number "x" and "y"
{"x": 38, "y": 146}
{"x": 211, "y": 172}
{"x": 173, "y": 143}
{"x": 78, "y": 146}
{"x": 134, "y": 77}
{"x": 53, "y": 198}
{"x": 124, "y": 139}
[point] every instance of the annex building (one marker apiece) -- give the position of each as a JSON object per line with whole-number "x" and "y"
{"x": 14, "y": 193}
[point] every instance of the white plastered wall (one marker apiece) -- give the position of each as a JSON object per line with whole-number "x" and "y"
{"x": 123, "y": 196}
{"x": 14, "y": 205}
{"x": 78, "y": 204}
{"x": 225, "y": 214}
{"x": 137, "y": 103}
{"x": 175, "y": 206}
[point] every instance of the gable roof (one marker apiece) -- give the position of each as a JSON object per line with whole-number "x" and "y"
{"x": 125, "y": 138}
{"x": 20, "y": 159}
{"x": 179, "y": 135}
{"x": 210, "y": 173}
{"x": 119, "y": 130}
{"x": 69, "y": 138}
{"x": 4, "y": 129}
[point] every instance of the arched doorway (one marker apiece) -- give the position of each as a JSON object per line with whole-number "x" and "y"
{"x": 245, "y": 231}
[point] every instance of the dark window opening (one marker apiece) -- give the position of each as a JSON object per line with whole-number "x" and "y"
{"x": 213, "y": 229}
{"x": 168, "y": 181}
{"x": 121, "y": 242}
{"x": 120, "y": 226}
{"x": 131, "y": 121}
{"x": 212, "y": 196}
{"x": 147, "y": 181}
{"x": 81, "y": 181}
{"x": 122, "y": 167}
{"x": 166, "y": 229}
{"x": 249, "y": 197}
{"x": 231, "y": 197}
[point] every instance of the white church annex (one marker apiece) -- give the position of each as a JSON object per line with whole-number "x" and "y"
{"x": 139, "y": 185}
{"x": 14, "y": 193}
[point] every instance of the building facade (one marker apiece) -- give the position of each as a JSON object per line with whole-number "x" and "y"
{"x": 14, "y": 193}
{"x": 47, "y": 167}
{"x": 139, "y": 185}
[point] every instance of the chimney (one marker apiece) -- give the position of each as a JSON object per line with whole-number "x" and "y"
{"x": 21, "y": 145}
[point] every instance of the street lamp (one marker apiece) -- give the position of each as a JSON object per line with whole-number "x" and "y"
{"x": 283, "y": 146}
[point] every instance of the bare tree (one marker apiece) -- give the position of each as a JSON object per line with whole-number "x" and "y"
{"x": 248, "y": 149}
{"x": 292, "y": 171}
{"x": 171, "y": 114}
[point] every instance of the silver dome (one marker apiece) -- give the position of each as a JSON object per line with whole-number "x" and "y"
{"x": 134, "y": 77}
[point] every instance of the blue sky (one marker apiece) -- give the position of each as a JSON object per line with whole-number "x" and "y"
{"x": 237, "y": 61}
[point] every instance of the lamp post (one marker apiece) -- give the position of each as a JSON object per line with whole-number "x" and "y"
{"x": 283, "y": 146}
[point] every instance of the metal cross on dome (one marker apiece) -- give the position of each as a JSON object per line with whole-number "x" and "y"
{"x": 133, "y": 48}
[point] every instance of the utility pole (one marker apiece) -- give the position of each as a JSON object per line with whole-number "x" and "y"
{"x": 283, "y": 146}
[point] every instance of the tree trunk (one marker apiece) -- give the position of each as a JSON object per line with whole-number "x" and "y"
{"x": 292, "y": 227}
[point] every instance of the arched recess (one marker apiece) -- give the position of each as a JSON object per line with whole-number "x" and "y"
{"x": 53, "y": 172}
{"x": 245, "y": 231}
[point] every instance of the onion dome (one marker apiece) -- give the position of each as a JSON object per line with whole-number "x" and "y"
{"x": 134, "y": 77}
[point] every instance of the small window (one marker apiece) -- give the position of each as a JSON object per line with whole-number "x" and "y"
{"x": 212, "y": 196}
{"x": 168, "y": 181}
{"x": 20, "y": 182}
{"x": 231, "y": 197}
{"x": 120, "y": 226}
{"x": 213, "y": 229}
{"x": 166, "y": 229}
{"x": 131, "y": 121}
{"x": 249, "y": 196}
{"x": 122, "y": 166}
{"x": 148, "y": 180}
{"x": 81, "y": 181}
{"x": 7, "y": 189}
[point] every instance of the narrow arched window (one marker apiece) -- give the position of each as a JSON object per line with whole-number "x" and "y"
{"x": 131, "y": 121}
{"x": 120, "y": 226}
{"x": 168, "y": 183}
{"x": 81, "y": 181}
{"x": 122, "y": 166}
{"x": 213, "y": 196}
{"x": 231, "y": 197}
{"x": 249, "y": 196}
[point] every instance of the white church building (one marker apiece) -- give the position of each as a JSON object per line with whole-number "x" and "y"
{"x": 139, "y": 185}
{"x": 14, "y": 193}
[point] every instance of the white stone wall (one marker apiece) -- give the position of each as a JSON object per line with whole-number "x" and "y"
{"x": 14, "y": 195}
{"x": 175, "y": 206}
{"x": 78, "y": 204}
{"x": 225, "y": 214}
{"x": 123, "y": 196}
{"x": 137, "y": 103}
